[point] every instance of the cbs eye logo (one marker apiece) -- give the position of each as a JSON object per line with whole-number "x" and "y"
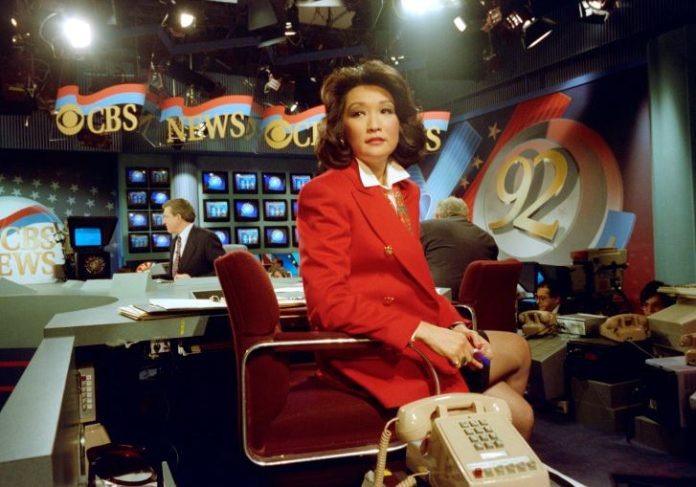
{"x": 70, "y": 119}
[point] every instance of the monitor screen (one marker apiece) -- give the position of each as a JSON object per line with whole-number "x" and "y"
{"x": 137, "y": 220}
{"x": 249, "y": 236}
{"x": 159, "y": 177}
{"x": 293, "y": 207}
{"x": 138, "y": 242}
{"x": 246, "y": 210}
{"x": 223, "y": 234}
{"x": 136, "y": 177}
{"x": 159, "y": 197}
{"x": 297, "y": 181}
{"x": 276, "y": 237}
{"x": 275, "y": 210}
{"x": 87, "y": 237}
{"x": 245, "y": 182}
{"x": 295, "y": 237}
{"x": 214, "y": 182}
{"x": 216, "y": 210}
{"x": 157, "y": 220}
{"x": 161, "y": 241}
{"x": 136, "y": 199}
{"x": 273, "y": 182}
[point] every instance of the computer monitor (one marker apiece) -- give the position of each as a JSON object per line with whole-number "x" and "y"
{"x": 295, "y": 237}
{"x": 138, "y": 220}
{"x": 136, "y": 198}
{"x": 273, "y": 182}
{"x": 159, "y": 177}
{"x": 246, "y": 210}
{"x": 214, "y": 182}
{"x": 216, "y": 210}
{"x": 249, "y": 236}
{"x": 92, "y": 232}
{"x": 136, "y": 177}
{"x": 276, "y": 236}
{"x": 223, "y": 234}
{"x": 157, "y": 220}
{"x": 245, "y": 182}
{"x": 161, "y": 241}
{"x": 275, "y": 210}
{"x": 158, "y": 197}
{"x": 297, "y": 181}
{"x": 138, "y": 242}
{"x": 293, "y": 209}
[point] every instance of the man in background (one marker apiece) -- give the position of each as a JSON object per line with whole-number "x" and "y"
{"x": 193, "y": 249}
{"x": 451, "y": 242}
{"x": 652, "y": 301}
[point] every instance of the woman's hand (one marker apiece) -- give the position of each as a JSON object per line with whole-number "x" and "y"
{"x": 476, "y": 340}
{"x": 144, "y": 266}
{"x": 455, "y": 346}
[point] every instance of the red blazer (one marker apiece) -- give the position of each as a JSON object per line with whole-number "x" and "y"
{"x": 366, "y": 275}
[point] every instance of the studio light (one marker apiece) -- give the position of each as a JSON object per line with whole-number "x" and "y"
{"x": 78, "y": 32}
{"x": 418, "y": 7}
{"x": 186, "y": 19}
{"x": 273, "y": 83}
{"x": 594, "y": 11}
{"x": 459, "y": 23}
{"x": 536, "y": 30}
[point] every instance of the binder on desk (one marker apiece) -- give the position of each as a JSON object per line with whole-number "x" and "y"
{"x": 166, "y": 308}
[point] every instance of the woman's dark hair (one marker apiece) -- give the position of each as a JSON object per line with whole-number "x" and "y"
{"x": 651, "y": 289}
{"x": 332, "y": 150}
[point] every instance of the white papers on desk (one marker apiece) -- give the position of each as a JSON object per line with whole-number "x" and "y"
{"x": 289, "y": 289}
{"x": 188, "y": 304}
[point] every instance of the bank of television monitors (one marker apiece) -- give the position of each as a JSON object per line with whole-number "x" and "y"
{"x": 273, "y": 183}
{"x": 275, "y": 210}
{"x": 157, "y": 220}
{"x": 245, "y": 182}
{"x": 249, "y": 236}
{"x": 293, "y": 207}
{"x": 138, "y": 220}
{"x": 216, "y": 210}
{"x": 295, "y": 237}
{"x": 214, "y": 182}
{"x": 87, "y": 237}
{"x": 136, "y": 198}
{"x": 159, "y": 177}
{"x": 223, "y": 234}
{"x": 246, "y": 210}
{"x": 161, "y": 241}
{"x": 276, "y": 236}
{"x": 297, "y": 181}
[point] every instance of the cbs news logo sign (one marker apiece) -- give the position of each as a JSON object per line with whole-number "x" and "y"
{"x": 70, "y": 119}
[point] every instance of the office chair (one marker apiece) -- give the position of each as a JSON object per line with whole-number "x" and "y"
{"x": 234, "y": 248}
{"x": 288, "y": 414}
{"x": 488, "y": 291}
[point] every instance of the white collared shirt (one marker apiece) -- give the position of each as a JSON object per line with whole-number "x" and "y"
{"x": 394, "y": 174}
{"x": 183, "y": 238}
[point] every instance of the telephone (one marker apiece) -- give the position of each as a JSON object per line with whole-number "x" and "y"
{"x": 628, "y": 327}
{"x": 689, "y": 340}
{"x": 538, "y": 323}
{"x": 467, "y": 440}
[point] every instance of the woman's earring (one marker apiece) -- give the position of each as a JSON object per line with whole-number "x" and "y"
{"x": 341, "y": 141}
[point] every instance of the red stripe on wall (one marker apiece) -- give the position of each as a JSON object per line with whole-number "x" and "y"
{"x": 6, "y": 388}
{"x": 14, "y": 363}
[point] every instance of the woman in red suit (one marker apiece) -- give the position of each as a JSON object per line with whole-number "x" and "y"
{"x": 362, "y": 264}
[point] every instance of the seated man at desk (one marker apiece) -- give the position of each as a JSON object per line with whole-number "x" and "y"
{"x": 550, "y": 297}
{"x": 193, "y": 249}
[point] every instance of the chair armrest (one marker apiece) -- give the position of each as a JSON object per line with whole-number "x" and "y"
{"x": 472, "y": 314}
{"x": 311, "y": 341}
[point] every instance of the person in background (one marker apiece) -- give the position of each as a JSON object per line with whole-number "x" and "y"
{"x": 276, "y": 269}
{"x": 363, "y": 268}
{"x": 193, "y": 249}
{"x": 549, "y": 297}
{"x": 652, "y": 301}
{"x": 451, "y": 242}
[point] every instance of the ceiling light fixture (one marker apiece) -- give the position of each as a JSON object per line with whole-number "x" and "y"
{"x": 459, "y": 23}
{"x": 78, "y": 32}
{"x": 536, "y": 30}
{"x": 594, "y": 11}
{"x": 186, "y": 19}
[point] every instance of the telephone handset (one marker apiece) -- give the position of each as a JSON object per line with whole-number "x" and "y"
{"x": 468, "y": 440}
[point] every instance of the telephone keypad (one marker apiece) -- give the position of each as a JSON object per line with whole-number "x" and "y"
{"x": 481, "y": 434}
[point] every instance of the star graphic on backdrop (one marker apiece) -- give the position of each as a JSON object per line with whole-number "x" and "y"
{"x": 93, "y": 190}
{"x": 68, "y": 212}
{"x": 464, "y": 183}
{"x": 477, "y": 162}
{"x": 55, "y": 185}
{"x": 90, "y": 203}
{"x": 110, "y": 206}
{"x": 17, "y": 180}
{"x": 16, "y": 192}
{"x": 36, "y": 183}
{"x": 52, "y": 198}
{"x": 34, "y": 195}
{"x": 73, "y": 188}
{"x": 493, "y": 131}
{"x": 71, "y": 201}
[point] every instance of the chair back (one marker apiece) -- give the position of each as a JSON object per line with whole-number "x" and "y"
{"x": 254, "y": 317}
{"x": 490, "y": 288}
